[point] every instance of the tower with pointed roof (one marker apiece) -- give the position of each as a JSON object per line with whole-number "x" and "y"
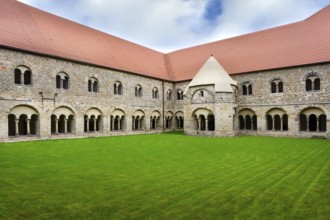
{"x": 210, "y": 101}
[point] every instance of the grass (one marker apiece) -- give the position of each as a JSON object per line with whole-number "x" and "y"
{"x": 166, "y": 176}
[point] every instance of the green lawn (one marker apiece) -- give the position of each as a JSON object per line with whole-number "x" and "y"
{"x": 166, "y": 176}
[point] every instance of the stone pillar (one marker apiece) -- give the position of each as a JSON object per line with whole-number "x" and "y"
{"x": 112, "y": 123}
{"x": 140, "y": 124}
{"x": 28, "y": 126}
{"x": 79, "y": 124}
{"x": 128, "y": 122}
{"x": 133, "y": 123}
{"x": 95, "y": 121}
{"x": 56, "y": 126}
{"x": 206, "y": 125}
{"x": 17, "y": 127}
{"x": 199, "y": 124}
{"x": 87, "y": 125}
{"x": 119, "y": 124}
{"x": 65, "y": 125}
{"x": 307, "y": 123}
{"x": 273, "y": 121}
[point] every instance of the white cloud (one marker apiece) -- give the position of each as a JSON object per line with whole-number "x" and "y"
{"x": 172, "y": 24}
{"x": 240, "y": 17}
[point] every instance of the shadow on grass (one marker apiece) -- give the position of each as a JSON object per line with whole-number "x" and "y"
{"x": 174, "y": 132}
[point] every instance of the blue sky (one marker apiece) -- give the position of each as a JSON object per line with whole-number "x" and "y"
{"x": 167, "y": 25}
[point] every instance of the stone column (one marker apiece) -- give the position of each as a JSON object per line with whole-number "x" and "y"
{"x": 95, "y": 121}
{"x": 307, "y": 123}
{"x": 140, "y": 124}
{"x": 273, "y": 121}
{"x": 112, "y": 123}
{"x": 199, "y": 124}
{"x": 17, "y": 127}
{"x": 65, "y": 125}
{"x": 133, "y": 123}
{"x": 119, "y": 124}
{"x": 87, "y": 124}
{"x": 56, "y": 126}
{"x": 28, "y": 126}
{"x": 206, "y": 125}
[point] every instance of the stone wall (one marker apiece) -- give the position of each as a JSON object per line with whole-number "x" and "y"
{"x": 43, "y": 96}
{"x": 293, "y": 100}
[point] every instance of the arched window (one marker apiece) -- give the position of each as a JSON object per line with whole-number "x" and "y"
{"x": 313, "y": 82}
{"x": 179, "y": 119}
{"x": 169, "y": 95}
{"x": 202, "y": 123}
{"x": 273, "y": 85}
{"x": 62, "y": 81}
{"x": 118, "y": 88}
{"x": 27, "y": 77}
{"x": 138, "y": 91}
{"x": 277, "y": 86}
{"x": 179, "y": 94}
{"x": 323, "y": 122}
{"x": 285, "y": 122}
{"x": 308, "y": 85}
{"x": 254, "y": 122}
{"x": 138, "y": 121}
{"x": 280, "y": 86}
{"x": 247, "y": 88}
{"x": 155, "y": 93}
{"x": 303, "y": 122}
{"x": 241, "y": 122}
{"x": 269, "y": 122}
{"x": 210, "y": 122}
{"x": 93, "y": 85}
{"x": 18, "y": 76}
{"x": 22, "y": 75}
{"x": 23, "y": 121}
{"x": 317, "y": 84}
{"x": 247, "y": 120}
{"x": 277, "y": 120}
{"x": 313, "y": 120}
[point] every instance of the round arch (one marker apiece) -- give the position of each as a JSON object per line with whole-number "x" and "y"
{"x": 23, "y": 120}
{"x": 313, "y": 119}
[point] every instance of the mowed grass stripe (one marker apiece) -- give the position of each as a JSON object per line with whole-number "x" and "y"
{"x": 282, "y": 177}
{"x": 163, "y": 176}
{"x": 238, "y": 182}
{"x": 266, "y": 177}
{"x": 315, "y": 176}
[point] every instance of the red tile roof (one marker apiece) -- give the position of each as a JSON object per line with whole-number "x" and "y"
{"x": 300, "y": 43}
{"x": 27, "y": 28}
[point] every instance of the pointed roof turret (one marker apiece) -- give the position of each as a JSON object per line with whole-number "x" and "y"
{"x": 212, "y": 73}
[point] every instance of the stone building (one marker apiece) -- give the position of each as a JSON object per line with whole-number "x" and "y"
{"x": 59, "y": 79}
